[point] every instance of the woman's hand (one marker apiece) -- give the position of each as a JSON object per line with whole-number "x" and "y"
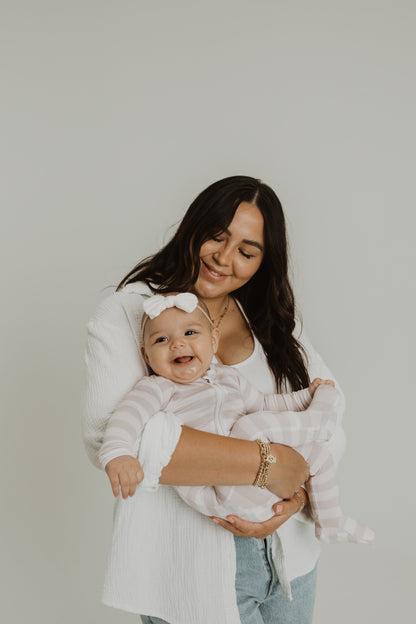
{"x": 283, "y": 511}
{"x": 289, "y": 472}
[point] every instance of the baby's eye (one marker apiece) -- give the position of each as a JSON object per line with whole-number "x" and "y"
{"x": 160, "y": 339}
{"x": 190, "y": 332}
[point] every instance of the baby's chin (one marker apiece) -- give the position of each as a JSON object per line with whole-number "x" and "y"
{"x": 187, "y": 374}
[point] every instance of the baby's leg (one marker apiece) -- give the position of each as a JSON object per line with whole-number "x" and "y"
{"x": 330, "y": 523}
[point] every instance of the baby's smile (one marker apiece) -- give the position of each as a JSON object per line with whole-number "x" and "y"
{"x": 179, "y": 345}
{"x": 183, "y": 359}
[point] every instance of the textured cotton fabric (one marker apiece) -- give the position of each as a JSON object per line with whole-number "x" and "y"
{"x": 166, "y": 559}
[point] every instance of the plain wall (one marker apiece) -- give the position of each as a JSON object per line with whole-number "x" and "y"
{"x": 114, "y": 115}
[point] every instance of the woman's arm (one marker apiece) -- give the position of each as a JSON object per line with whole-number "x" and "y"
{"x": 113, "y": 366}
{"x": 202, "y": 458}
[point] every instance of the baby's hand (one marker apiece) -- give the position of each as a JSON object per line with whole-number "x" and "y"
{"x": 318, "y": 382}
{"x": 125, "y": 472}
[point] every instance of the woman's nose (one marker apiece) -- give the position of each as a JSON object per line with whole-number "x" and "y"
{"x": 222, "y": 255}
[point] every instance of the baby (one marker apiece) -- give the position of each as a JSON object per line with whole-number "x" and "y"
{"x": 178, "y": 344}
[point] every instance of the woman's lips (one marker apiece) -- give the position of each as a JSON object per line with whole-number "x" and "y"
{"x": 212, "y": 273}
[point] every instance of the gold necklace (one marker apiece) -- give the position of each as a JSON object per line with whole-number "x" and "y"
{"x": 217, "y": 322}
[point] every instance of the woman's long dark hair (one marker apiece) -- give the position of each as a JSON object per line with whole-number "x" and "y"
{"x": 267, "y": 298}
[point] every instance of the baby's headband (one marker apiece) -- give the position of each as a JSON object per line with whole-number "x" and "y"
{"x": 155, "y": 305}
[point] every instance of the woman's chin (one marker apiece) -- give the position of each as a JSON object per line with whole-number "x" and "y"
{"x": 208, "y": 290}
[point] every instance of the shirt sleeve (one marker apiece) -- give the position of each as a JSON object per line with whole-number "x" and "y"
{"x": 288, "y": 401}
{"x": 113, "y": 365}
{"x": 125, "y": 425}
{"x": 317, "y": 368}
{"x": 256, "y": 401}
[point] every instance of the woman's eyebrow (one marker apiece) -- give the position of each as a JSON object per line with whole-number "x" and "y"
{"x": 254, "y": 244}
{"x": 246, "y": 241}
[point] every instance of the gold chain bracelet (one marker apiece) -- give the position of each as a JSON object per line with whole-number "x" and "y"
{"x": 266, "y": 459}
{"x": 300, "y": 499}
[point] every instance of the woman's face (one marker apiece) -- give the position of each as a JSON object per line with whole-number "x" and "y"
{"x": 230, "y": 259}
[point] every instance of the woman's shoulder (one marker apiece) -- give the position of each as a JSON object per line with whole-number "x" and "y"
{"x": 120, "y": 305}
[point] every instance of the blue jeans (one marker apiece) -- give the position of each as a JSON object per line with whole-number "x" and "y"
{"x": 259, "y": 595}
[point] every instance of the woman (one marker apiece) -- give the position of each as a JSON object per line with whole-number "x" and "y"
{"x": 168, "y": 561}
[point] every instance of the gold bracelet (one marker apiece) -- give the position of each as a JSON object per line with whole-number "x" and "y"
{"x": 266, "y": 459}
{"x": 301, "y": 500}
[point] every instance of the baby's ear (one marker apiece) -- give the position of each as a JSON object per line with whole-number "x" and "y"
{"x": 215, "y": 335}
{"x": 144, "y": 354}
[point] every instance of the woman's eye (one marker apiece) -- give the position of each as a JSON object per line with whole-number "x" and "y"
{"x": 246, "y": 255}
{"x": 160, "y": 339}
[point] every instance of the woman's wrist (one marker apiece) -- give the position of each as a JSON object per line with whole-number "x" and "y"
{"x": 289, "y": 472}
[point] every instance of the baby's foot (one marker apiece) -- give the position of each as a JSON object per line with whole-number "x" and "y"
{"x": 347, "y": 530}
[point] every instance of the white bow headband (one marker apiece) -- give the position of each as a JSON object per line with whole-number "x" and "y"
{"x": 155, "y": 305}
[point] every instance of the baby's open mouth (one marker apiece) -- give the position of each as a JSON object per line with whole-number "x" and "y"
{"x": 184, "y": 359}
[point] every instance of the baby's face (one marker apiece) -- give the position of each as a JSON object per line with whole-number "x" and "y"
{"x": 179, "y": 345}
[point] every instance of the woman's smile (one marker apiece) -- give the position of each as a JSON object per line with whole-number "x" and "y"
{"x": 212, "y": 273}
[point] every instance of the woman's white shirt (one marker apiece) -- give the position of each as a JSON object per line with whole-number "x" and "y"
{"x": 156, "y": 536}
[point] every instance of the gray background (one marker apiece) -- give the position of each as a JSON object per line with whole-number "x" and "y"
{"x": 114, "y": 116}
